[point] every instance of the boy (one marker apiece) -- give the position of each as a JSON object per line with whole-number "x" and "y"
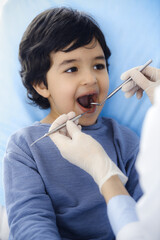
{"x": 64, "y": 63}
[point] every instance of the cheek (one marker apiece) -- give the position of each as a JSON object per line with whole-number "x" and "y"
{"x": 63, "y": 92}
{"x": 104, "y": 85}
{"x": 67, "y": 91}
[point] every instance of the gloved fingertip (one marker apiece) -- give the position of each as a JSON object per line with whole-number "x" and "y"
{"x": 139, "y": 95}
{"x": 60, "y": 120}
{"x": 76, "y": 122}
{"x": 123, "y": 76}
{"x": 70, "y": 124}
{"x": 124, "y": 88}
{"x": 72, "y": 127}
{"x": 127, "y": 95}
{"x": 71, "y": 115}
{"x": 80, "y": 127}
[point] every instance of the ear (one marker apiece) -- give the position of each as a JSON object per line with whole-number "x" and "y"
{"x": 42, "y": 90}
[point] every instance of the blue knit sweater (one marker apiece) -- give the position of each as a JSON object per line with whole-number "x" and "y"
{"x": 49, "y": 198}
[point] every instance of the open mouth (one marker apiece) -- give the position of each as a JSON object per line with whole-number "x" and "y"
{"x": 86, "y": 100}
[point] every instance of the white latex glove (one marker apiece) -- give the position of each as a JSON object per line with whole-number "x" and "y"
{"x": 146, "y": 81}
{"x": 85, "y": 152}
{"x": 62, "y": 119}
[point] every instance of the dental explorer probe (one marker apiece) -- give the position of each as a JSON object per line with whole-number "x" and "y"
{"x": 59, "y": 127}
{"x": 120, "y": 86}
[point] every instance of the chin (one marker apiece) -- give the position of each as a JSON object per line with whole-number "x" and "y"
{"x": 87, "y": 122}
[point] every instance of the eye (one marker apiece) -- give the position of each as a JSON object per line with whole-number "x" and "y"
{"x": 72, "y": 69}
{"x": 99, "y": 66}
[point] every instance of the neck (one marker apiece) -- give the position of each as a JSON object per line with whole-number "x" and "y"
{"x": 49, "y": 119}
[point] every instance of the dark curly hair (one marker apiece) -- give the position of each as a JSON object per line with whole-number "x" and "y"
{"x": 54, "y": 30}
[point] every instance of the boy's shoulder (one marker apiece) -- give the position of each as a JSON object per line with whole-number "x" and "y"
{"x": 126, "y": 142}
{"x": 120, "y": 132}
{"x": 27, "y": 135}
{"x": 107, "y": 129}
{"x": 32, "y": 129}
{"x": 117, "y": 127}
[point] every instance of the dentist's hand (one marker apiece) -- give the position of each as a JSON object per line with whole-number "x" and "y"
{"x": 85, "y": 152}
{"x": 145, "y": 81}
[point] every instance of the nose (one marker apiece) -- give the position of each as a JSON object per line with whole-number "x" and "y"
{"x": 89, "y": 78}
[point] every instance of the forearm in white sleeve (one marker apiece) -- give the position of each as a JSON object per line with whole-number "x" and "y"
{"x": 121, "y": 211}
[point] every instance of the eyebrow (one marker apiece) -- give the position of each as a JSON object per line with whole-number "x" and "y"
{"x": 65, "y": 62}
{"x": 101, "y": 57}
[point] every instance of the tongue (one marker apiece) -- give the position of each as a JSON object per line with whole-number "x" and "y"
{"x": 85, "y": 101}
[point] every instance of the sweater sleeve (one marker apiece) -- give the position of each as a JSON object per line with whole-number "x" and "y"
{"x": 30, "y": 211}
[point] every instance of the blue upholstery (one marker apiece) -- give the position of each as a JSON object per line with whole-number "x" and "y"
{"x": 132, "y": 32}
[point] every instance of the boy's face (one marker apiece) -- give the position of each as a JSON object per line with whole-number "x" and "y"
{"x": 74, "y": 79}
